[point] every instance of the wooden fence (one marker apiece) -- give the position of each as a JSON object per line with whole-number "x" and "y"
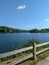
{"x": 33, "y": 54}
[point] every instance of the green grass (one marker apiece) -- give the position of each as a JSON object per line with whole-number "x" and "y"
{"x": 39, "y": 58}
{"x": 29, "y": 43}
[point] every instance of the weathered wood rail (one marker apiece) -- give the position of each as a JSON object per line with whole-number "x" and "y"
{"x": 33, "y": 54}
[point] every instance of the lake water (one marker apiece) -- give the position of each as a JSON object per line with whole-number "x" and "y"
{"x": 17, "y": 39}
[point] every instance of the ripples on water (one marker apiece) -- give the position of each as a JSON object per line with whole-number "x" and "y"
{"x": 18, "y": 39}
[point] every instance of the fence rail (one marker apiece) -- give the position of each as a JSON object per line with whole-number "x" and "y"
{"x": 25, "y": 49}
{"x": 15, "y": 52}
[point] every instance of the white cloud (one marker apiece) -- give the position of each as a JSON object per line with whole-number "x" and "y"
{"x": 46, "y": 19}
{"x": 21, "y": 7}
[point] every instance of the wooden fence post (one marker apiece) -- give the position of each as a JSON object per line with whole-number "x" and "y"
{"x": 34, "y": 51}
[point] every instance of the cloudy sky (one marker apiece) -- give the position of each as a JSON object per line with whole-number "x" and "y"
{"x": 24, "y": 14}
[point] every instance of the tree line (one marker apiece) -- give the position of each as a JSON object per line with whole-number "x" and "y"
{"x": 39, "y": 31}
{"x": 4, "y": 29}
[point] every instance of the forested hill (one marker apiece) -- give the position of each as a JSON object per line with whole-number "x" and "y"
{"x": 4, "y": 29}
{"x": 39, "y": 31}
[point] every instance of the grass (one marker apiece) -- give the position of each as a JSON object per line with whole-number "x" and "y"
{"x": 21, "y": 55}
{"x": 39, "y": 57}
{"x": 30, "y": 61}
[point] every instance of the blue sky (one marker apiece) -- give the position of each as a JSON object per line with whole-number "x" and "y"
{"x": 24, "y": 14}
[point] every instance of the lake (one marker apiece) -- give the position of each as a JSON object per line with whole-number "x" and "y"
{"x": 18, "y": 39}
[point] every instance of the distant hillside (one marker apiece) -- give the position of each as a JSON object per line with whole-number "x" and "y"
{"x": 39, "y": 31}
{"x": 4, "y": 29}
